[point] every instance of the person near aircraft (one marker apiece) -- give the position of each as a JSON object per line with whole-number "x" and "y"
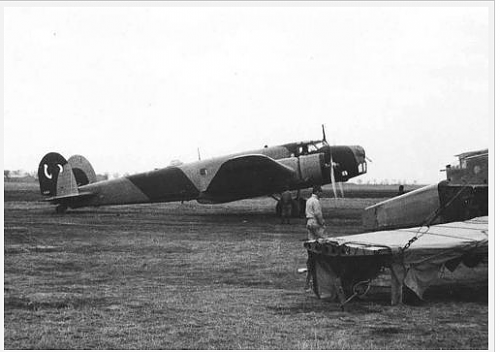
{"x": 315, "y": 225}
{"x": 401, "y": 190}
{"x": 286, "y": 206}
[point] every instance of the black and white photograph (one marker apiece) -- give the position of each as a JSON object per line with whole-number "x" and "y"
{"x": 248, "y": 175}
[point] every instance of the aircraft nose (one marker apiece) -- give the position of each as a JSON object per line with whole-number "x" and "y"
{"x": 359, "y": 153}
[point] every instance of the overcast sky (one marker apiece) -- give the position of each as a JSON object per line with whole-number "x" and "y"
{"x": 132, "y": 88}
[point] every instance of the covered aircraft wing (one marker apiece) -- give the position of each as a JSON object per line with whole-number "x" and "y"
{"x": 437, "y": 243}
{"x": 247, "y": 176}
{"x": 415, "y": 255}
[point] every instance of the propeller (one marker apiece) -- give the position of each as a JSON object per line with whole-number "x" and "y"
{"x": 341, "y": 189}
{"x": 332, "y": 177}
{"x": 332, "y": 173}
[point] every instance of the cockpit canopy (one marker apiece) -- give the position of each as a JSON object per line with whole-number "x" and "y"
{"x": 306, "y": 148}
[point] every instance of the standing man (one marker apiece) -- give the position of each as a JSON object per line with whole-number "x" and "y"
{"x": 315, "y": 226}
{"x": 314, "y": 216}
{"x": 401, "y": 190}
{"x": 286, "y": 206}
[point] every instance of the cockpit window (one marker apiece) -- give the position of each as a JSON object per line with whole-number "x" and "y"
{"x": 317, "y": 145}
{"x": 308, "y": 148}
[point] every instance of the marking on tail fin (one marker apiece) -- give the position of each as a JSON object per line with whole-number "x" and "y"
{"x": 51, "y": 165}
{"x": 45, "y": 171}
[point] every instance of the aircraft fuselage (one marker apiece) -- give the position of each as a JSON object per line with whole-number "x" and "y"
{"x": 249, "y": 174}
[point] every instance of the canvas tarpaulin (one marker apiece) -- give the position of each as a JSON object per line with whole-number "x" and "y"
{"x": 415, "y": 255}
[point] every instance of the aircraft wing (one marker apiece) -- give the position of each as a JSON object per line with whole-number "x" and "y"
{"x": 422, "y": 251}
{"x": 437, "y": 243}
{"x": 248, "y": 176}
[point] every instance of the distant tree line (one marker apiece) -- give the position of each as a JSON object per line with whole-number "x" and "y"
{"x": 19, "y": 176}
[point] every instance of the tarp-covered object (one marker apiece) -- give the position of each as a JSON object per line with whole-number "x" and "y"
{"x": 415, "y": 255}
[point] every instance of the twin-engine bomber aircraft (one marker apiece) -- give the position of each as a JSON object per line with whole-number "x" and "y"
{"x": 264, "y": 172}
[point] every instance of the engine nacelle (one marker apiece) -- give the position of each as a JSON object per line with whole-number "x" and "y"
{"x": 310, "y": 169}
{"x": 313, "y": 169}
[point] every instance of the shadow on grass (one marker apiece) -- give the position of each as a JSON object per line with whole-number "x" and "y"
{"x": 458, "y": 292}
{"x": 310, "y": 304}
{"x": 379, "y": 301}
{"x": 390, "y": 330}
{"x": 25, "y": 303}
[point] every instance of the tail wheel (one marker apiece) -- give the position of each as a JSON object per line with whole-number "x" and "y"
{"x": 298, "y": 208}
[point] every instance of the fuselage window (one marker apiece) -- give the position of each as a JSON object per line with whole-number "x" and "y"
{"x": 362, "y": 168}
{"x": 303, "y": 150}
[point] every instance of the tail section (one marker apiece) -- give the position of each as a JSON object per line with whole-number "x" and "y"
{"x": 66, "y": 183}
{"x": 49, "y": 169}
{"x": 60, "y": 178}
{"x": 82, "y": 170}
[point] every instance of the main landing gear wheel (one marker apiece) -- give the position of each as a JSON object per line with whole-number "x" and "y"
{"x": 61, "y": 209}
{"x": 298, "y": 208}
{"x": 301, "y": 207}
{"x": 278, "y": 208}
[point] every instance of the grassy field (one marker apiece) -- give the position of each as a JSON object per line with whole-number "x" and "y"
{"x": 189, "y": 276}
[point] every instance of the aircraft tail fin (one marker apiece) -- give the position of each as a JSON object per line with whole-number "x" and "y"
{"x": 48, "y": 173}
{"x": 82, "y": 170}
{"x": 60, "y": 177}
{"x": 66, "y": 182}
{"x": 67, "y": 189}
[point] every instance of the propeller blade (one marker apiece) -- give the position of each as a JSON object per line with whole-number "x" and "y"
{"x": 332, "y": 171}
{"x": 341, "y": 189}
{"x": 332, "y": 177}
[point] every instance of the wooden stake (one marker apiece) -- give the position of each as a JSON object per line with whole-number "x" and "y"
{"x": 396, "y": 284}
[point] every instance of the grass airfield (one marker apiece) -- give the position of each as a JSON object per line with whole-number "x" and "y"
{"x": 190, "y": 276}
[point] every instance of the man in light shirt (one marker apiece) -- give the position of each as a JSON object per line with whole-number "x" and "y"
{"x": 315, "y": 223}
{"x": 315, "y": 226}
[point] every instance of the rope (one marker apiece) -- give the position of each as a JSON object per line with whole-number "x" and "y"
{"x": 433, "y": 217}
{"x": 356, "y": 292}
